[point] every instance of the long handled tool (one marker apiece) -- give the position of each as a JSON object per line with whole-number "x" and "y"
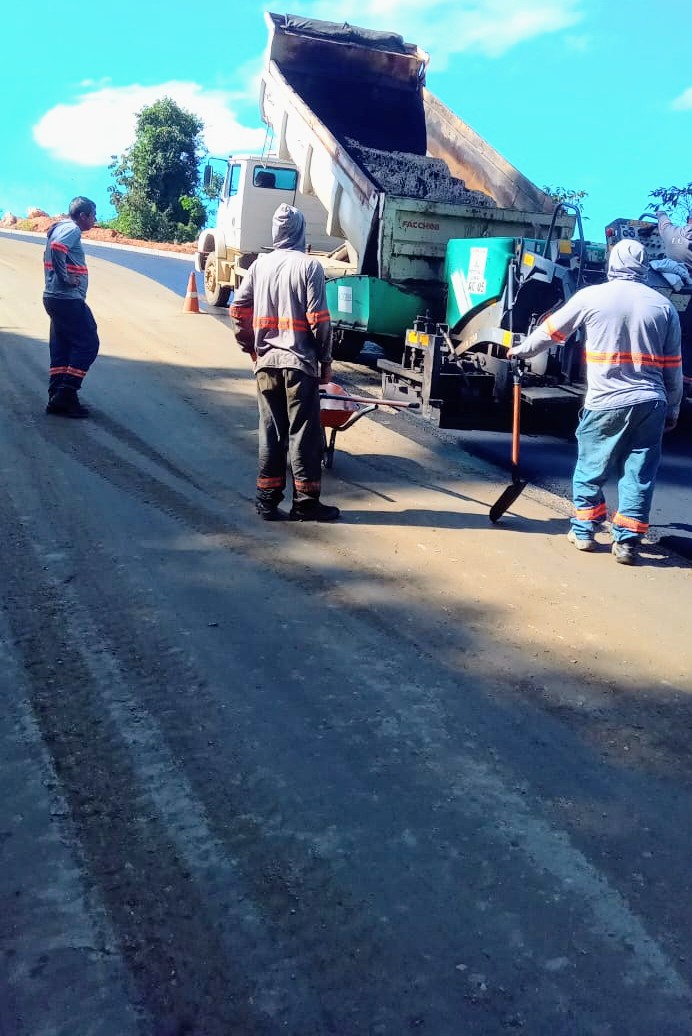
{"x": 518, "y": 484}
{"x": 368, "y": 399}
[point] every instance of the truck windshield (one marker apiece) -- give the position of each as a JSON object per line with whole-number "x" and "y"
{"x": 275, "y": 179}
{"x": 232, "y": 180}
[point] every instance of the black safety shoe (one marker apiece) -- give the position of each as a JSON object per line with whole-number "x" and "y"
{"x": 65, "y": 403}
{"x": 314, "y": 513}
{"x": 269, "y": 514}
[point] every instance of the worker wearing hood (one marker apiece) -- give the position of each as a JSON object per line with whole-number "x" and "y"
{"x": 279, "y": 315}
{"x": 634, "y": 390}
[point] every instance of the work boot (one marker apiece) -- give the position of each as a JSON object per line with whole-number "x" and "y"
{"x": 581, "y": 542}
{"x": 269, "y": 514}
{"x": 65, "y": 403}
{"x": 313, "y": 511}
{"x": 626, "y": 552}
{"x": 55, "y": 404}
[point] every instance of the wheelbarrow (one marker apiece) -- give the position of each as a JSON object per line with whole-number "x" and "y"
{"x": 339, "y": 411}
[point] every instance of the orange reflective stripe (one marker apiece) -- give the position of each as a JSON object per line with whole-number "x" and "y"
{"x": 279, "y": 324}
{"x": 76, "y": 269}
{"x": 271, "y": 483}
{"x": 643, "y": 359}
{"x": 57, "y": 370}
{"x": 57, "y": 247}
{"x": 307, "y": 487}
{"x": 591, "y": 514}
{"x": 552, "y": 331}
{"x": 629, "y": 523}
{"x": 240, "y": 311}
{"x": 320, "y": 317}
{"x": 76, "y": 371}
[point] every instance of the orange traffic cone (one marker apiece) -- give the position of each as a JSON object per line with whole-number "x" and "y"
{"x": 191, "y": 303}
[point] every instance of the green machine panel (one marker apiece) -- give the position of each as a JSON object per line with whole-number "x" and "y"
{"x": 475, "y": 272}
{"x": 371, "y": 305}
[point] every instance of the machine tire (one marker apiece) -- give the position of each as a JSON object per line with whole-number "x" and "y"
{"x": 216, "y": 294}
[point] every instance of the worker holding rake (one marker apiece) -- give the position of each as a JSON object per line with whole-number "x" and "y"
{"x": 634, "y": 391}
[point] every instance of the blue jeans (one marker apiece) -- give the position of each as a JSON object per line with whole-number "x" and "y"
{"x": 625, "y": 442}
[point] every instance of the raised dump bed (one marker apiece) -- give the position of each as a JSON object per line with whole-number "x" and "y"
{"x": 398, "y": 174}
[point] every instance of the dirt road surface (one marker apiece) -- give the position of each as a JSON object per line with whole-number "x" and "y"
{"x": 408, "y": 773}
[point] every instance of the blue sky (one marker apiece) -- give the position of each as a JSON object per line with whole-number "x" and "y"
{"x": 592, "y": 95}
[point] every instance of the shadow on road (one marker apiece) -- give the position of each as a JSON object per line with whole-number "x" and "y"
{"x": 403, "y": 786}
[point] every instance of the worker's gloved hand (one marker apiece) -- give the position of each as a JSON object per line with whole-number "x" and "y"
{"x": 670, "y": 424}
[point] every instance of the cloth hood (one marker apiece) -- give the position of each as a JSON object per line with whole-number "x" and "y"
{"x": 54, "y": 226}
{"x": 628, "y": 262}
{"x": 288, "y": 228}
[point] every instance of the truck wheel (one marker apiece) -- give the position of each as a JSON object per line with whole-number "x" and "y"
{"x": 216, "y": 294}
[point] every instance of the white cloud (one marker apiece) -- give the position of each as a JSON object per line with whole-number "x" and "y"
{"x": 448, "y": 27}
{"x": 101, "y": 123}
{"x": 684, "y": 101}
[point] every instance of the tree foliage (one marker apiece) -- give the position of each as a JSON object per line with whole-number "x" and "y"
{"x": 560, "y": 194}
{"x": 156, "y": 189}
{"x": 213, "y": 189}
{"x": 672, "y": 199}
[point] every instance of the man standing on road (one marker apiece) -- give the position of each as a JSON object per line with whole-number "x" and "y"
{"x": 634, "y": 390}
{"x": 73, "y": 340}
{"x": 280, "y": 317}
{"x": 677, "y": 241}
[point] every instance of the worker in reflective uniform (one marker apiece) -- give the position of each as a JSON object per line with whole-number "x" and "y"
{"x": 73, "y": 341}
{"x": 280, "y": 317}
{"x": 634, "y": 391}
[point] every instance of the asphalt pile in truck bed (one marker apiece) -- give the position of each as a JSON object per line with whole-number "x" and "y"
{"x": 415, "y": 176}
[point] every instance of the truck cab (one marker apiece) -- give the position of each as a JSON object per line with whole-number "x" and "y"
{"x": 253, "y": 188}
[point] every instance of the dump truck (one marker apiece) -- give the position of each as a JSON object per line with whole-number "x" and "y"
{"x": 385, "y": 172}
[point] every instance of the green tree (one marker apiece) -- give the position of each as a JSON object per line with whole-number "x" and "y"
{"x": 672, "y": 199}
{"x": 560, "y": 194}
{"x": 212, "y": 190}
{"x": 156, "y": 189}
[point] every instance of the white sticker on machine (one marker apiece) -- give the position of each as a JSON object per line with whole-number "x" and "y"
{"x": 344, "y": 299}
{"x": 461, "y": 291}
{"x": 476, "y": 274}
